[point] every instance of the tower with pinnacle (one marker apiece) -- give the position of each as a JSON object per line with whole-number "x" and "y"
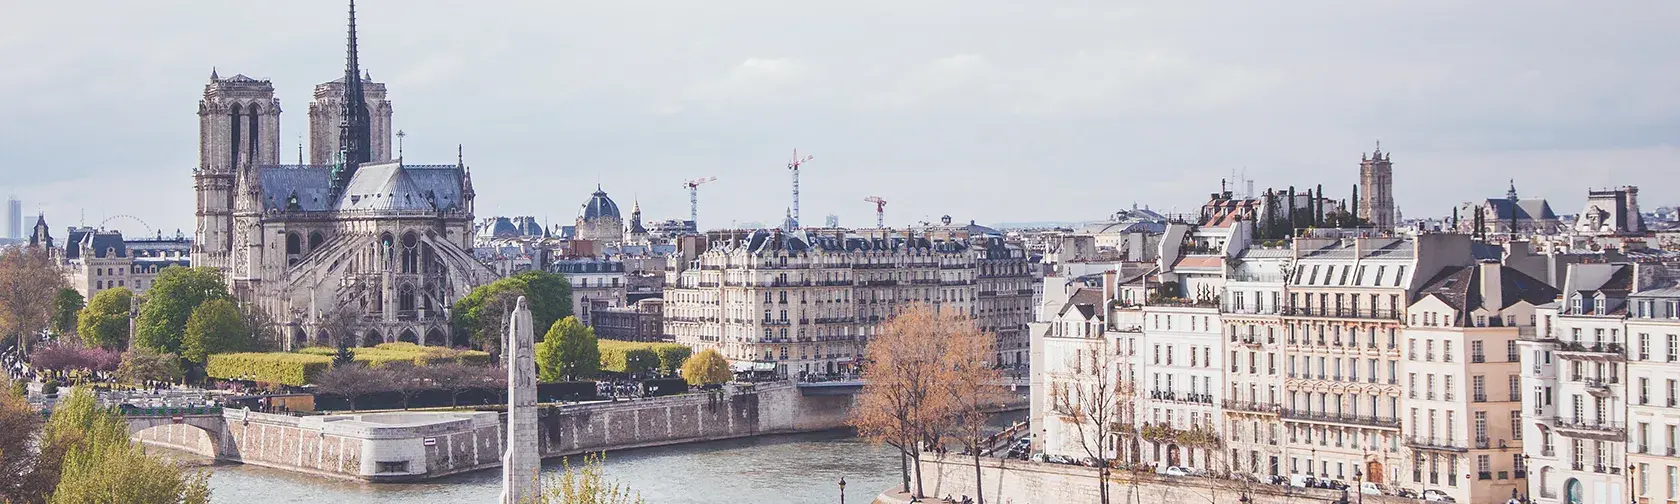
{"x": 1376, "y": 189}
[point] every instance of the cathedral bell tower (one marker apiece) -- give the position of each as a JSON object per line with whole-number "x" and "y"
{"x": 238, "y": 125}
{"x": 1376, "y": 189}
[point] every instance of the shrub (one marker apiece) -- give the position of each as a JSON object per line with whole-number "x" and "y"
{"x": 617, "y": 356}
{"x": 293, "y": 369}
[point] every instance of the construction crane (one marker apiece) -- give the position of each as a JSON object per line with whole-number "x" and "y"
{"x": 794, "y": 167}
{"x": 880, "y": 210}
{"x": 694, "y": 198}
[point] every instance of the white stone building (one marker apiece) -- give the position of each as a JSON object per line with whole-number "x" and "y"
{"x": 1654, "y": 397}
{"x": 1575, "y": 397}
{"x": 1463, "y": 403}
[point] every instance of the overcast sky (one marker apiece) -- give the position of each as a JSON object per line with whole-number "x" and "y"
{"x": 981, "y": 109}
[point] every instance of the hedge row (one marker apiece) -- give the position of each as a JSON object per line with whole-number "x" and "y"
{"x": 406, "y": 353}
{"x": 293, "y": 369}
{"x": 632, "y": 356}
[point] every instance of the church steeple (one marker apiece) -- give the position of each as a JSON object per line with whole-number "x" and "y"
{"x": 354, "y": 130}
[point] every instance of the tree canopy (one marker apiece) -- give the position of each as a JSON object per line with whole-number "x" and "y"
{"x": 214, "y": 327}
{"x": 143, "y": 365}
{"x": 482, "y": 312}
{"x": 66, "y": 304}
{"x": 104, "y": 322}
{"x": 706, "y": 368}
{"x": 29, "y": 280}
{"x": 86, "y": 456}
{"x": 171, "y": 300}
{"x": 569, "y": 351}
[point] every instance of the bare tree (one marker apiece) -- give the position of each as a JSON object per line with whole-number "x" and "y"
{"x": 28, "y": 283}
{"x": 902, "y": 403}
{"x": 354, "y": 382}
{"x": 409, "y": 381}
{"x": 1096, "y": 402}
{"x": 454, "y": 378}
{"x": 341, "y": 323}
{"x": 971, "y": 384}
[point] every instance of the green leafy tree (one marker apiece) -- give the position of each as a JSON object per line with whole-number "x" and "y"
{"x": 96, "y": 462}
{"x": 214, "y": 327}
{"x": 343, "y": 357}
{"x": 104, "y": 322}
{"x": 65, "y": 306}
{"x": 706, "y": 368}
{"x": 482, "y": 312}
{"x": 569, "y": 351}
{"x": 171, "y": 300}
{"x": 141, "y": 366}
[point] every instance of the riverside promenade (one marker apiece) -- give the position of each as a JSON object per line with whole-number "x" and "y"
{"x": 1024, "y": 482}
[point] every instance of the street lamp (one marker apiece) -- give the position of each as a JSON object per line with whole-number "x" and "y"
{"x": 842, "y": 490}
{"x": 1359, "y": 484}
{"x": 1633, "y": 498}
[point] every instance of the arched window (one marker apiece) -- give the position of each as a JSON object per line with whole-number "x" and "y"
{"x": 315, "y": 240}
{"x": 410, "y": 255}
{"x": 294, "y": 244}
{"x": 1572, "y": 491}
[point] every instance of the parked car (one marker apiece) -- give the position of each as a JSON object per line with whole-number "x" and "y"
{"x": 1369, "y": 488}
{"x": 1405, "y": 493}
{"x": 1433, "y": 495}
{"x": 1175, "y": 471}
{"x": 1302, "y": 481}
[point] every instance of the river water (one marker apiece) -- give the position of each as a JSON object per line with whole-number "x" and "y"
{"x": 793, "y": 468}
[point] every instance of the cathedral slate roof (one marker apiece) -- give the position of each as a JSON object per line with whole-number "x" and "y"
{"x": 426, "y": 187}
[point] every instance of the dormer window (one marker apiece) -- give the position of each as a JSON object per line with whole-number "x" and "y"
{"x": 1575, "y": 304}
{"x": 1598, "y": 304}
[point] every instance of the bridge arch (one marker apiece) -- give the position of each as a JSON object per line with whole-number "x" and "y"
{"x": 198, "y": 434}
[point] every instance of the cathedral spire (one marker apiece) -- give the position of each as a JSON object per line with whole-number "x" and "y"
{"x": 354, "y": 130}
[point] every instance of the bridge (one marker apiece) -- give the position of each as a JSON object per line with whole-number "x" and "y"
{"x": 196, "y": 429}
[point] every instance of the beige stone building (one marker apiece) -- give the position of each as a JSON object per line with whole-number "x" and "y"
{"x": 1376, "y": 190}
{"x": 806, "y": 303}
{"x": 99, "y": 259}
{"x": 1341, "y": 411}
{"x": 1463, "y": 403}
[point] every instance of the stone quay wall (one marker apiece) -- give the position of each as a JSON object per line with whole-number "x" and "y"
{"x": 401, "y": 446}
{"x": 1023, "y": 482}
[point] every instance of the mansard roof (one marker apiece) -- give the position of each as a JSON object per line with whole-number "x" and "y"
{"x": 1526, "y": 209}
{"x": 1461, "y": 288}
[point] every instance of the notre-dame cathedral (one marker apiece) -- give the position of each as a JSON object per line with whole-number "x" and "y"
{"x": 355, "y": 242}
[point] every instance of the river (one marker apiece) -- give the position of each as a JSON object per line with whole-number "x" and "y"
{"x": 792, "y": 468}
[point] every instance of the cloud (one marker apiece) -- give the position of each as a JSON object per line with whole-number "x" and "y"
{"x": 982, "y": 109}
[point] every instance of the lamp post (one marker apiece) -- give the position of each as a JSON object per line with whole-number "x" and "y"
{"x": 1633, "y": 498}
{"x": 1359, "y": 484}
{"x": 842, "y": 490}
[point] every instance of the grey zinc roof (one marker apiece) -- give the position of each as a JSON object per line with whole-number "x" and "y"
{"x": 385, "y": 186}
{"x": 438, "y": 185}
{"x": 309, "y": 184}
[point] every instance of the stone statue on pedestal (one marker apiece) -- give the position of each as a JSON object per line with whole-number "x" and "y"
{"x": 520, "y": 464}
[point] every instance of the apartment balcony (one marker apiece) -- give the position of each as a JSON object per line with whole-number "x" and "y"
{"x": 1599, "y": 388}
{"x": 1607, "y": 469}
{"x": 1529, "y": 333}
{"x": 1478, "y": 398}
{"x": 1483, "y": 443}
{"x": 1315, "y": 416}
{"x": 1251, "y": 341}
{"x": 1582, "y": 428}
{"x": 1183, "y": 397}
{"x": 1478, "y": 359}
{"x": 1250, "y": 407}
{"x": 1606, "y": 351}
{"x": 1342, "y": 313}
{"x": 1437, "y": 443}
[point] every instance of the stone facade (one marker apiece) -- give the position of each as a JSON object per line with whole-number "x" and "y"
{"x": 98, "y": 259}
{"x": 374, "y": 248}
{"x": 520, "y": 462}
{"x": 1022, "y": 481}
{"x": 1376, "y": 190}
{"x": 420, "y": 446}
{"x": 806, "y": 302}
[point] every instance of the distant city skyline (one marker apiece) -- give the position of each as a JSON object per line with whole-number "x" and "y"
{"x": 986, "y": 111}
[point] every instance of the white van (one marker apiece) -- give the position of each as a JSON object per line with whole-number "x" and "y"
{"x": 1300, "y": 481}
{"x": 1369, "y": 488}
